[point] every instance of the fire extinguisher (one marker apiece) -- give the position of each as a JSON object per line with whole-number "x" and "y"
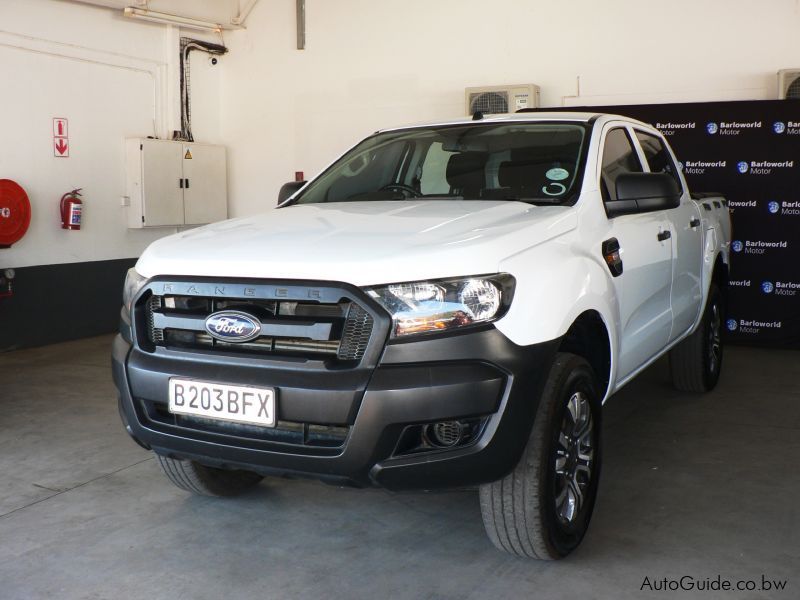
{"x": 71, "y": 208}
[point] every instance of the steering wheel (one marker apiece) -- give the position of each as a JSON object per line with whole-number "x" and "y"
{"x": 401, "y": 187}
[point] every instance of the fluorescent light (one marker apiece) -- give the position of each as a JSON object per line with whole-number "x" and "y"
{"x": 159, "y": 17}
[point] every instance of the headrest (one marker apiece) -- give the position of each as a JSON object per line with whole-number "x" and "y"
{"x": 526, "y": 169}
{"x": 467, "y": 170}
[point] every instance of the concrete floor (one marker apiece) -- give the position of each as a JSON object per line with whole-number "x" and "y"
{"x": 697, "y": 486}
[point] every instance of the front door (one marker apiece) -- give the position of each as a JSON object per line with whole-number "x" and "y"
{"x": 645, "y": 285}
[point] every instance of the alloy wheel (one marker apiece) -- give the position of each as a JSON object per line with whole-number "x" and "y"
{"x": 715, "y": 338}
{"x": 574, "y": 458}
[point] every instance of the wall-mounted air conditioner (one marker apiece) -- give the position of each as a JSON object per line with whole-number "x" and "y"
{"x": 789, "y": 84}
{"x": 497, "y": 99}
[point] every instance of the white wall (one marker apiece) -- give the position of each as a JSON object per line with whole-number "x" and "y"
{"x": 112, "y": 78}
{"x": 370, "y": 64}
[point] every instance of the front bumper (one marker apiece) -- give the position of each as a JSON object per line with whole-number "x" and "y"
{"x": 471, "y": 375}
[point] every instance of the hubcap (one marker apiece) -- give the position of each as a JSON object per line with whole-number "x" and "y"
{"x": 574, "y": 461}
{"x": 714, "y": 339}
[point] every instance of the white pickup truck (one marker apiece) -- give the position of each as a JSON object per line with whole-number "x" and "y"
{"x": 446, "y": 305}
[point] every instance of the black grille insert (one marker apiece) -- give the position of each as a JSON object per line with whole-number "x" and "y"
{"x": 285, "y": 432}
{"x": 340, "y": 330}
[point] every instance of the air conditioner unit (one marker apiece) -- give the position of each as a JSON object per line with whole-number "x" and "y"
{"x": 789, "y": 84}
{"x": 498, "y": 99}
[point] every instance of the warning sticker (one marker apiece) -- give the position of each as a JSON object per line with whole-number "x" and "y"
{"x": 60, "y": 137}
{"x": 188, "y": 155}
{"x": 61, "y": 147}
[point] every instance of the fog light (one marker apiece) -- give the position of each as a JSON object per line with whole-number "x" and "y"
{"x": 444, "y": 434}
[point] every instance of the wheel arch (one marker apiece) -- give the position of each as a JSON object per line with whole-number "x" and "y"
{"x": 588, "y": 337}
{"x": 719, "y": 274}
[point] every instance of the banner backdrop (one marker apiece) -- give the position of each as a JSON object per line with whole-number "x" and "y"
{"x": 749, "y": 152}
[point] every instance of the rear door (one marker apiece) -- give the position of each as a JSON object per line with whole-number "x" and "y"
{"x": 643, "y": 288}
{"x": 687, "y": 239}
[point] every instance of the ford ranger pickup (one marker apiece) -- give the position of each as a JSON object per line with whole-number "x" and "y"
{"x": 445, "y": 306}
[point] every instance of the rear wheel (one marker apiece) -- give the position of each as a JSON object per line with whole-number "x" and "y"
{"x": 206, "y": 481}
{"x": 696, "y": 362}
{"x": 543, "y": 507}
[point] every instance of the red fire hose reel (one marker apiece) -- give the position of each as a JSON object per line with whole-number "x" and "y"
{"x": 15, "y": 212}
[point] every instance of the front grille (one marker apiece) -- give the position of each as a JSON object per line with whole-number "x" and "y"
{"x": 338, "y": 330}
{"x": 156, "y": 335}
{"x": 357, "y": 329}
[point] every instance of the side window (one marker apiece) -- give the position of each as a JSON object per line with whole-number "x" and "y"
{"x": 367, "y": 171}
{"x": 619, "y": 157}
{"x": 657, "y": 155}
{"x": 434, "y": 170}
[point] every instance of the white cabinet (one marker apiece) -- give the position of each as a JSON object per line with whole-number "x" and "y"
{"x": 205, "y": 195}
{"x": 175, "y": 183}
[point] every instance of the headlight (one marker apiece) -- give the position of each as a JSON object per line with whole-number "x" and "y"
{"x": 133, "y": 283}
{"x": 433, "y": 306}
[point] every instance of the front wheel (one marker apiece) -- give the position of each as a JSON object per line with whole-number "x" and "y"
{"x": 696, "y": 362}
{"x": 543, "y": 507}
{"x": 206, "y": 481}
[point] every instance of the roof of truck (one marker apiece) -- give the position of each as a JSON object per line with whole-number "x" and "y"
{"x": 535, "y": 115}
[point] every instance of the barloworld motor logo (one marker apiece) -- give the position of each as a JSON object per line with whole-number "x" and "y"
{"x": 712, "y": 128}
{"x": 699, "y": 167}
{"x": 773, "y": 207}
{"x": 779, "y": 127}
{"x": 669, "y": 128}
{"x": 233, "y": 326}
{"x": 767, "y": 287}
{"x": 752, "y": 326}
{"x": 763, "y": 167}
{"x": 759, "y": 247}
{"x": 680, "y": 166}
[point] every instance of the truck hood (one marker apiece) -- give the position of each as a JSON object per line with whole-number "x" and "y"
{"x": 362, "y": 243}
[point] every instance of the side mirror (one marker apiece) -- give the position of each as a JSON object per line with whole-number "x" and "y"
{"x": 288, "y": 189}
{"x": 644, "y": 192}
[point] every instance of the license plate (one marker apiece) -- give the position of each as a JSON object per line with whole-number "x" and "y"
{"x": 238, "y": 403}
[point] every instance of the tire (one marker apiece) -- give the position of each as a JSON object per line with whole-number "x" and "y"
{"x": 696, "y": 362}
{"x": 528, "y": 513}
{"x": 206, "y": 481}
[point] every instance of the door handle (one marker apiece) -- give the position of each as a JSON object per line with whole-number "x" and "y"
{"x": 694, "y": 223}
{"x": 664, "y": 235}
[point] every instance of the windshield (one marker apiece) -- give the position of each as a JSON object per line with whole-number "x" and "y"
{"x": 532, "y": 162}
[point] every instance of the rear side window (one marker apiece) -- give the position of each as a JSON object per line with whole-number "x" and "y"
{"x": 657, "y": 155}
{"x": 619, "y": 157}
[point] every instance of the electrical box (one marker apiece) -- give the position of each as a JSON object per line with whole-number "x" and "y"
{"x": 175, "y": 183}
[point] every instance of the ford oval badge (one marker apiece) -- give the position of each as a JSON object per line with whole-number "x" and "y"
{"x": 232, "y": 326}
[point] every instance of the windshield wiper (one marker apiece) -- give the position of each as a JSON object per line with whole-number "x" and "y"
{"x": 533, "y": 200}
{"x": 378, "y": 196}
{"x": 394, "y": 196}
